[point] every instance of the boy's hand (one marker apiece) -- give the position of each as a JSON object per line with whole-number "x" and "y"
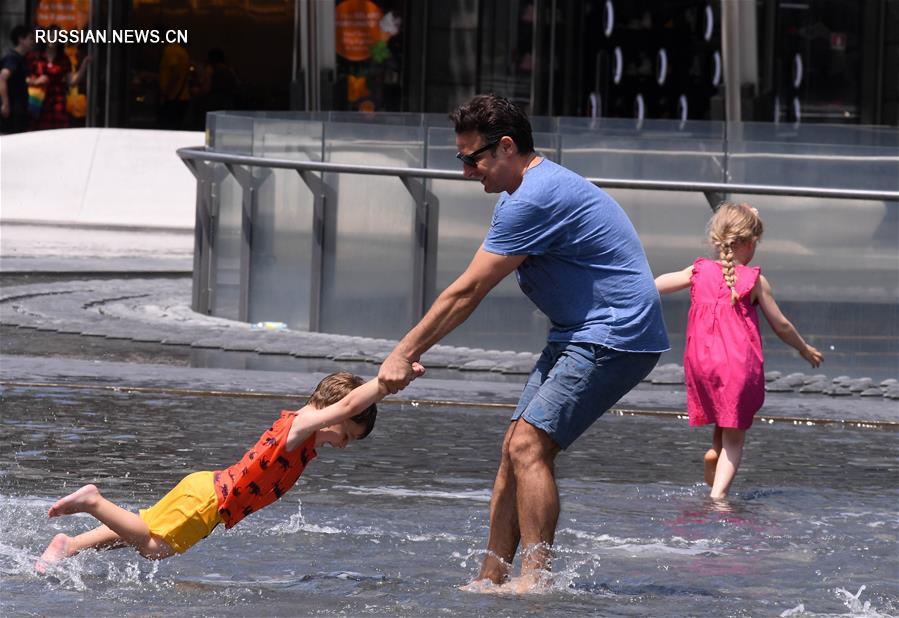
{"x": 418, "y": 370}
{"x": 812, "y": 355}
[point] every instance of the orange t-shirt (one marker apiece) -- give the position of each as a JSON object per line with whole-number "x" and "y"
{"x": 263, "y": 474}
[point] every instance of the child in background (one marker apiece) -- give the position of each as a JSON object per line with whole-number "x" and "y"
{"x": 723, "y": 362}
{"x": 341, "y": 409}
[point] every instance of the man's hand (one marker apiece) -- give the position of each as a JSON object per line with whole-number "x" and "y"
{"x": 397, "y": 372}
{"x": 4, "y": 110}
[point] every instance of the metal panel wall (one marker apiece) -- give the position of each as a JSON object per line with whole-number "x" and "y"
{"x": 282, "y": 261}
{"x": 369, "y": 246}
{"x": 389, "y": 246}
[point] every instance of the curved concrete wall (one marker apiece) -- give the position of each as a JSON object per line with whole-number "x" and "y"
{"x": 110, "y": 177}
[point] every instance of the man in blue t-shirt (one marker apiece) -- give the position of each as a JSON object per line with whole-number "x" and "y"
{"x": 578, "y": 258}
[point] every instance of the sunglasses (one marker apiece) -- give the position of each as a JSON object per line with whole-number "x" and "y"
{"x": 473, "y": 158}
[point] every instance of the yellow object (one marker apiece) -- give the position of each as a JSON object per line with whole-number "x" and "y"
{"x": 186, "y": 514}
{"x": 357, "y": 88}
{"x": 174, "y": 69}
{"x": 76, "y": 103}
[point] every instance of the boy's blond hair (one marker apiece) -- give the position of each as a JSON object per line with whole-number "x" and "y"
{"x": 337, "y": 386}
{"x": 733, "y": 223}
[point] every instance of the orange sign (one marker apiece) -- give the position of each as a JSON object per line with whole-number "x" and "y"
{"x": 357, "y": 28}
{"x": 67, "y": 14}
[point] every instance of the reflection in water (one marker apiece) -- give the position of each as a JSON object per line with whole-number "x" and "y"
{"x": 396, "y": 523}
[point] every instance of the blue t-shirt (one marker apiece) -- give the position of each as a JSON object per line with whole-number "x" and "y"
{"x": 586, "y": 269}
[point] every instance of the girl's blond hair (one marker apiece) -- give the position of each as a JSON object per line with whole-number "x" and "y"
{"x": 731, "y": 224}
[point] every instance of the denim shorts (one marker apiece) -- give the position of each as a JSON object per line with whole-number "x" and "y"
{"x": 573, "y": 384}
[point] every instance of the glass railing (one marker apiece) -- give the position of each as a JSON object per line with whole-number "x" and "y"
{"x": 366, "y": 253}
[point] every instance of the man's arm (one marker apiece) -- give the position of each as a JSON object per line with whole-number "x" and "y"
{"x": 451, "y": 308}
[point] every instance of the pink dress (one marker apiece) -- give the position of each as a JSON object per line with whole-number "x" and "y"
{"x": 723, "y": 361}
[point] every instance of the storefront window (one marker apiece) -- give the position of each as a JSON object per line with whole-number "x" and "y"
{"x": 369, "y": 46}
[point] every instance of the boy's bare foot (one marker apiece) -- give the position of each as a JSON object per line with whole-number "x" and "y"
{"x": 75, "y": 502}
{"x": 710, "y": 461}
{"x": 56, "y": 551}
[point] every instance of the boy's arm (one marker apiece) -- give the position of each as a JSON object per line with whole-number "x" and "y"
{"x": 672, "y": 282}
{"x": 781, "y": 325}
{"x": 311, "y": 419}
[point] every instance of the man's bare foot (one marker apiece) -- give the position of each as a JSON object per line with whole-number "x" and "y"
{"x": 75, "y": 502}
{"x": 710, "y": 461}
{"x": 539, "y": 582}
{"x": 56, "y": 551}
{"x": 480, "y": 586}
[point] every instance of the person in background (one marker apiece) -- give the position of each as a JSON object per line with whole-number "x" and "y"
{"x": 50, "y": 68}
{"x": 14, "y": 81}
{"x": 174, "y": 86}
{"x": 217, "y": 89}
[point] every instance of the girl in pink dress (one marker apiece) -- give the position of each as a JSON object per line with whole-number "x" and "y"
{"x": 723, "y": 362}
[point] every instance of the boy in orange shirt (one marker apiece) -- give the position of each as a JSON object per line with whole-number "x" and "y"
{"x": 341, "y": 409}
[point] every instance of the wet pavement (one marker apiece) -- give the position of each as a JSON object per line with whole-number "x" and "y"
{"x": 106, "y": 375}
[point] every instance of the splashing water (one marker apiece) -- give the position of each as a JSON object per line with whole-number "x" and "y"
{"x": 854, "y": 604}
{"x": 297, "y": 523}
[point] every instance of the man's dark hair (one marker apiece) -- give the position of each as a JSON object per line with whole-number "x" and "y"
{"x": 19, "y": 32}
{"x": 493, "y": 117}
{"x": 337, "y": 386}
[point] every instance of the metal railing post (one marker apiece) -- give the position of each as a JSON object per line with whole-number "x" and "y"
{"x": 316, "y": 259}
{"x": 204, "y": 234}
{"x": 245, "y": 177}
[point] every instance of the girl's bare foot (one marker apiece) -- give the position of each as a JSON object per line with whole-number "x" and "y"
{"x": 76, "y": 502}
{"x": 56, "y": 551}
{"x": 710, "y": 462}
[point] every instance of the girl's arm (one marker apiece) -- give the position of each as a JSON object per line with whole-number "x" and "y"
{"x": 310, "y": 419}
{"x": 672, "y": 282}
{"x": 781, "y": 325}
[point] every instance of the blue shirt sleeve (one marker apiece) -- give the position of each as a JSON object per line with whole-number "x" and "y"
{"x": 520, "y": 228}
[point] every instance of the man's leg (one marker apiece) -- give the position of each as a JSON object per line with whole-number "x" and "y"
{"x": 504, "y": 535}
{"x": 533, "y": 454}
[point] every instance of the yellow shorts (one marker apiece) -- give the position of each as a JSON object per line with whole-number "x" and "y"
{"x": 186, "y": 514}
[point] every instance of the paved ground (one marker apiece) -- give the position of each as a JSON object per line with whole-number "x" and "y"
{"x": 54, "y": 310}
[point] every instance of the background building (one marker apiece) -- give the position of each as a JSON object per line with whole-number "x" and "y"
{"x": 832, "y": 61}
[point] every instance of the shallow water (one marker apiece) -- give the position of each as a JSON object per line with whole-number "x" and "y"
{"x": 394, "y": 524}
